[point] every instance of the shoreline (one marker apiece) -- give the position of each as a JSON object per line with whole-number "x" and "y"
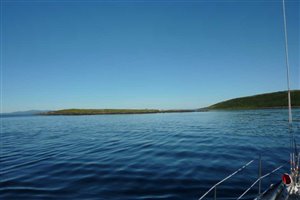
{"x": 132, "y": 111}
{"x": 160, "y": 112}
{"x": 75, "y": 112}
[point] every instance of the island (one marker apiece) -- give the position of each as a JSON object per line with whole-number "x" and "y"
{"x": 261, "y": 101}
{"x": 111, "y": 111}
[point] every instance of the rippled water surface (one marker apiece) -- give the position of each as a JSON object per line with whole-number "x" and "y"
{"x": 150, "y": 156}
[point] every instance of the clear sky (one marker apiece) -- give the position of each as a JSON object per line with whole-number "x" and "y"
{"x": 144, "y": 54}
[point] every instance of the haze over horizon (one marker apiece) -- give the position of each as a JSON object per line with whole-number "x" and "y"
{"x": 150, "y": 54}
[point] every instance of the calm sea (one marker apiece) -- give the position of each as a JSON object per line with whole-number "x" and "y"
{"x": 149, "y": 156}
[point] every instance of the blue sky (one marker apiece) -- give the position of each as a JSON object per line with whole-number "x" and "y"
{"x": 150, "y": 54}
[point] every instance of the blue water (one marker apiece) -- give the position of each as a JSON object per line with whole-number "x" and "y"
{"x": 149, "y": 156}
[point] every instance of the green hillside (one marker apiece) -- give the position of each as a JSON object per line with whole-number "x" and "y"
{"x": 268, "y": 100}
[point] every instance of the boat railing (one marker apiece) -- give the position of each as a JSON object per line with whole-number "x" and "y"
{"x": 258, "y": 180}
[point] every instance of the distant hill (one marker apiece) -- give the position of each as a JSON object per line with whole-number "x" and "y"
{"x": 268, "y": 100}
